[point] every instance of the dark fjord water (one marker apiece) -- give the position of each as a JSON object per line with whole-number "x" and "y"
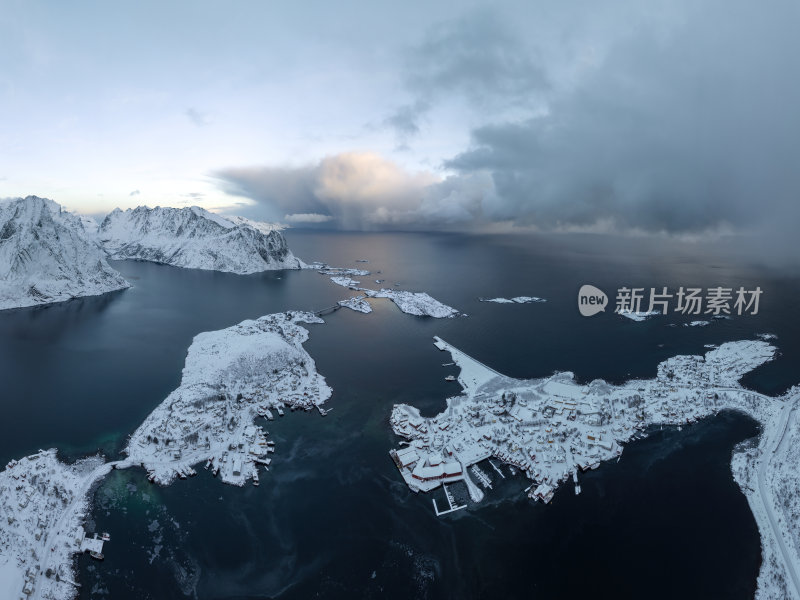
{"x": 333, "y": 519}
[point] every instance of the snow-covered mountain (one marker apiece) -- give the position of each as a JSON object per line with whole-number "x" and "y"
{"x": 196, "y": 239}
{"x": 46, "y": 256}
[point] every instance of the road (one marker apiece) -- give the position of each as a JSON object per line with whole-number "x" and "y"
{"x": 771, "y": 446}
{"x": 53, "y": 538}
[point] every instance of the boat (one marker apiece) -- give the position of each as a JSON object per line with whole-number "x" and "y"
{"x": 450, "y": 378}
{"x": 96, "y": 555}
{"x": 280, "y": 411}
{"x": 105, "y": 536}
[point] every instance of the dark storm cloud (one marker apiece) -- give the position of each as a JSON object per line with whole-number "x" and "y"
{"x": 685, "y": 127}
{"x": 288, "y": 190}
{"x": 477, "y": 58}
{"x": 352, "y": 190}
{"x": 684, "y": 132}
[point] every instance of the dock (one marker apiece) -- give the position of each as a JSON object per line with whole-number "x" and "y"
{"x": 496, "y": 468}
{"x": 94, "y": 545}
{"x": 482, "y": 477}
{"x": 450, "y": 500}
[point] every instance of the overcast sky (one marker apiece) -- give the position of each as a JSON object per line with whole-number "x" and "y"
{"x": 676, "y": 116}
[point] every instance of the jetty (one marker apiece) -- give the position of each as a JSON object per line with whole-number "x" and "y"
{"x": 454, "y": 506}
{"x": 94, "y": 545}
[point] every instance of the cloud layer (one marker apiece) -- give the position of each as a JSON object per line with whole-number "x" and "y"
{"x": 689, "y": 132}
{"x": 477, "y": 58}
{"x": 686, "y": 124}
{"x": 353, "y": 190}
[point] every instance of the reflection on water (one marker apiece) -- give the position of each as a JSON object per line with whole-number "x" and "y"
{"x": 332, "y": 519}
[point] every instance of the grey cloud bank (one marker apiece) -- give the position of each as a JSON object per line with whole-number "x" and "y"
{"x": 685, "y": 128}
{"x": 479, "y": 58}
{"x": 689, "y": 132}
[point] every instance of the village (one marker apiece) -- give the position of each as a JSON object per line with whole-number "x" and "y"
{"x": 235, "y": 380}
{"x": 43, "y": 503}
{"x": 238, "y": 379}
{"x": 553, "y": 428}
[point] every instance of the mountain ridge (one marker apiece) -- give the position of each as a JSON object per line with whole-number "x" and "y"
{"x": 47, "y": 256}
{"x": 195, "y": 238}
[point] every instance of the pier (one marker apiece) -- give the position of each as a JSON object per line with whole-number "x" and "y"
{"x": 496, "y": 468}
{"x": 450, "y": 501}
{"x": 94, "y": 545}
{"x": 482, "y": 477}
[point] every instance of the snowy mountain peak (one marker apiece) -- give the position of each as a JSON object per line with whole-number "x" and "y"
{"x": 46, "y": 255}
{"x": 195, "y": 238}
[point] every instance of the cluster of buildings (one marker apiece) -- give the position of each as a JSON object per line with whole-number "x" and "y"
{"x": 213, "y": 417}
{"x": 42, "y": 506}
{"x": 554, "y": 427}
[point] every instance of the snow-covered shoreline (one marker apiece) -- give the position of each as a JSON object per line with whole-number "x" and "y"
{"x": 639, "y": 316}
{"x": 44, "y": 502}
{"x": 47, "y": 256}
{"x": 194, "y": 238}
{"x": 419, "y": 304}
{"x": 766, "y": 473}
{"x": 553, "y": 428}
{"x": 514, "y": 300}
{"x": 357, "y": 303}
{"x": 232, "y": 377}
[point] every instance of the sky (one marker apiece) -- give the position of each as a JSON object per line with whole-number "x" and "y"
{"x": 662, "y": 117}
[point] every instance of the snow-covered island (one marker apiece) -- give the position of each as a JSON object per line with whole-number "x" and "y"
{"x": 553, "y": 428}
{"x": 232, "y": 377}
{"x": 195, "y": 238}
{"x": 345, "y": 281}
{"x": 697, "y": 324}
{"x": 515, "y": 300}
{"x": 419, "y": 304}
{"x": 357, "y": 303}
{"x": 639, "y": 316}
{"x": 324, "y": 269}
{"x": 47, "y": 256}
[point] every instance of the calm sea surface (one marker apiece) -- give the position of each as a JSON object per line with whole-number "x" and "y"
{"x": 333, "y": 519}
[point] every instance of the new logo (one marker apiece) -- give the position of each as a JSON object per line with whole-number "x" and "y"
{"x": 591, "y": 300}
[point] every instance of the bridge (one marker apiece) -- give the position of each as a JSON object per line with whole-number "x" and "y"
{"x": 328, "y": 310}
